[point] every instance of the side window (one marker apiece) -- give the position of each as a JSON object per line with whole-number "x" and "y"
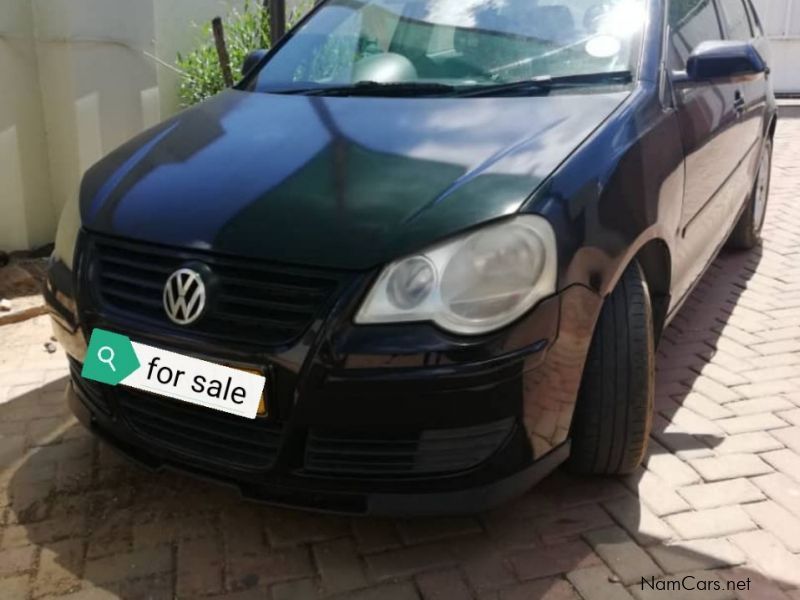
{"x": 691, "y": 22}
{"x": 737, "y": 22}
{"x": 758, "y": 29}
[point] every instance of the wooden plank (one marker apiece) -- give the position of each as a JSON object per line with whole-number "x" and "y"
{"x": 222, "y": 51}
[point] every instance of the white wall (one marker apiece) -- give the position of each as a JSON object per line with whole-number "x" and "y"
{"x": 27, "y": 216}
{"x": 91, "y": 72}
{"x": 84, "y": 81}
{"x": 781, "y": 19}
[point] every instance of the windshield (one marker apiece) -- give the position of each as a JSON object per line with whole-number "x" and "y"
{"x": 454, "y": 43}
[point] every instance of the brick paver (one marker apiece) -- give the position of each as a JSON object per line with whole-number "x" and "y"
{"x": 718, "y": 496}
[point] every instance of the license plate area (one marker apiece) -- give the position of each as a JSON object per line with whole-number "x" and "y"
{"x": 263, "y": 411}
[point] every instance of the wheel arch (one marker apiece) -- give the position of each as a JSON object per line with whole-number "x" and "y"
{"x": 656, "y": 262}
{"x": 654, "y": 254}
{"x": 773, "y": 125}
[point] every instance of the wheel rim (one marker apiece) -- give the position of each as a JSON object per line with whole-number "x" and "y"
{"x": 762, "y": 191}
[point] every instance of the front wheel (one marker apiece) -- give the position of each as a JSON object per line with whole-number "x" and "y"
{"x": 614, "y": 411}
{"x": 747, "y": 233}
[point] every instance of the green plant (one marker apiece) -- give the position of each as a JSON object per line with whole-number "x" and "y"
{"x": 245, "y": 30}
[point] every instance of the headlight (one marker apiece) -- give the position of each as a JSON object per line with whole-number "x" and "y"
{"x": 471, "y": 285}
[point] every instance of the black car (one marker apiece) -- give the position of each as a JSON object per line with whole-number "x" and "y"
{"x": 448, "y": 233}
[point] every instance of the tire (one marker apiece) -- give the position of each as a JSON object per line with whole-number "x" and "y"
{"x": 614, "y": 411}
{"x": 747, "y": 233}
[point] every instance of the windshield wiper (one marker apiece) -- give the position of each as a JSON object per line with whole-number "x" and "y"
{"x": 376, "y": 88}
{"x": 549, "y": 82}
{"x": 425, "y": 88}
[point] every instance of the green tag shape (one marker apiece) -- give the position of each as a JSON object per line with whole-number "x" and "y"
{"x": 110, "y": 357}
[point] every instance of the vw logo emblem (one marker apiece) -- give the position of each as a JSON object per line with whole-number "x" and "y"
{"x": 184, "y": 296}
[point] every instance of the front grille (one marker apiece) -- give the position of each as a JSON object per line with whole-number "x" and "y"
{"x": 252, "y": 302}
{"x": 207, "y": 436}
{"x": 424, "y": 453}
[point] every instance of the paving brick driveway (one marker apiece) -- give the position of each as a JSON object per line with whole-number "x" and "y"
{"x": 720, "y": 493}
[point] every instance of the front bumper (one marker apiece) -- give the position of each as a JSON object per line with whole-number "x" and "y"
{"x": 328, "y": 496}
{"x": 372, "y": 420}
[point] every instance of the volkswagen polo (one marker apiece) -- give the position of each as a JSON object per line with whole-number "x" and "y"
{"x": 448, "y": 235}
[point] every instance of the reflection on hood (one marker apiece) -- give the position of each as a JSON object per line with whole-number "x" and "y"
{"x": 341, "y": 182}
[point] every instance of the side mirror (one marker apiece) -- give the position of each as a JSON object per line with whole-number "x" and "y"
{"x": 252, "y": 60}
{"x": 724, "y": 60}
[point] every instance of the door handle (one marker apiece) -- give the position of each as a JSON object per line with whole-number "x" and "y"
{"x": 739, "y": 104}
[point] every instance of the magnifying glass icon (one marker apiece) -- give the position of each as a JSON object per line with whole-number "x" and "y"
{"x": 106, "y": 355}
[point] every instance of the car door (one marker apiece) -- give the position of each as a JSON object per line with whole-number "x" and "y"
{"x": 750, "y": 94}
{"x": 714, "y": 140}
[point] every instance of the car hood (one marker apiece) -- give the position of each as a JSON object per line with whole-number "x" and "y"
{"x": 348, "y": 182}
